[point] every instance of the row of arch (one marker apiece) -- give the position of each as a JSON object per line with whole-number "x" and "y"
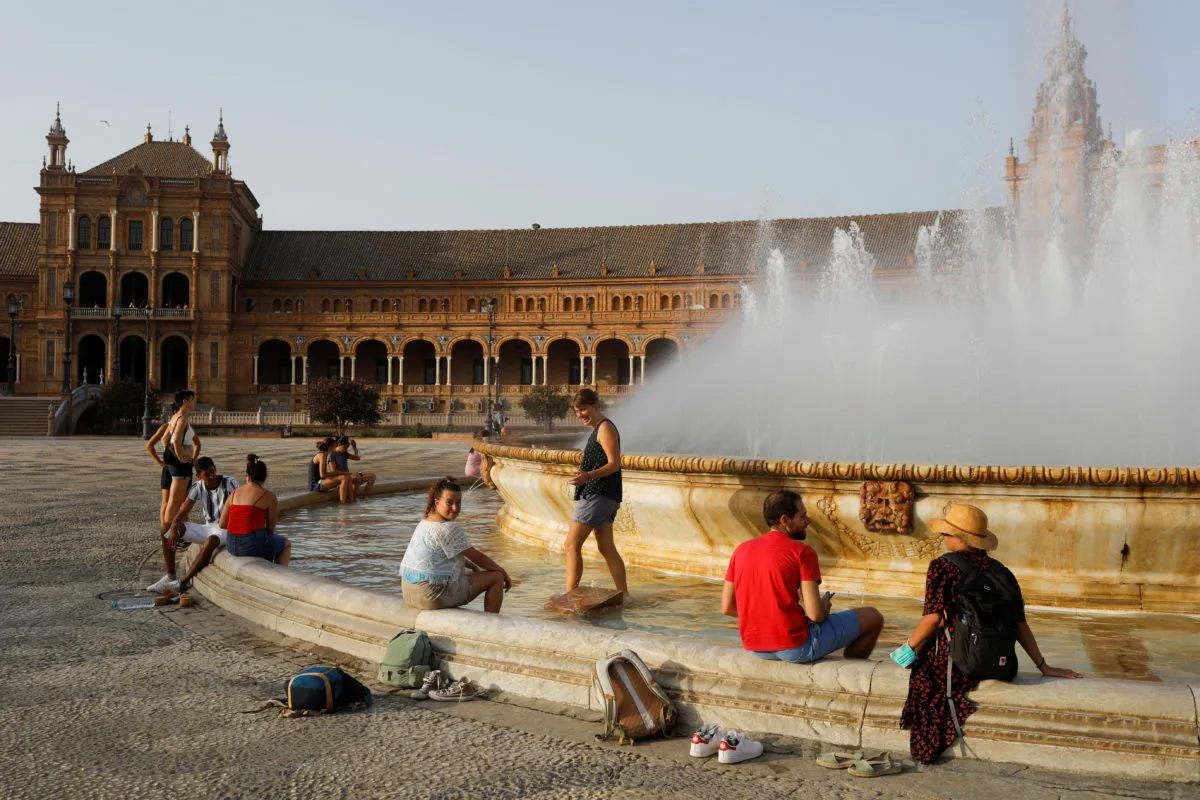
{"x": 103, "y": 231}
{"x": 565, "y": 361}
{"x": 92, "y": 290}
{"x": 91, "y": 361}
{"x": 520, "y": 305}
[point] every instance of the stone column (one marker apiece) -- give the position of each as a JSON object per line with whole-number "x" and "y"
{"x": 154, "y": 231}
{"x": 400, "y": 372}
{"x": 295, "y": 376}
{"x": 254, "y": 375}
{"x": 437, "y": 370}
{"x": 195, "y": 231}
{"x": 389, "y": 358}
{"x": 71, "y": 232}
{"x": 353, "y": 370}
{"x": 593, "y": 375}
{"x": 112, "y": 231}
{"x": 486, "y": 370}
{"x": 641, "y": 369}
{"x": 632, "y": 370}
{"x": 449, "y": 380}
{"x": 304, "y": 370}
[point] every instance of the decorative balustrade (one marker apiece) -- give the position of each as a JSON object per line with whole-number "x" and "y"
{"x": 91, "y": 313}
{"x": 97, "y": 312}
{"x": 502, "y": 317}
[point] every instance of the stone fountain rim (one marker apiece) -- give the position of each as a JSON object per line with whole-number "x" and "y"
{"x": 865, "y": 470}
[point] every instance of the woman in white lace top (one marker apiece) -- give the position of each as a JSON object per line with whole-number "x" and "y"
{"x": 440, "y": 569}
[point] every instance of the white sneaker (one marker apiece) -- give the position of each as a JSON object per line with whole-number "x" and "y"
{"x": 432, "y": 680}
{"x": 736, "y": 747}
{"x": 165, "y": 582}
{"x": 706, "y": 740}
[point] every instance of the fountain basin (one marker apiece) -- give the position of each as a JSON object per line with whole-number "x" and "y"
{"x": 1076, "y": 537}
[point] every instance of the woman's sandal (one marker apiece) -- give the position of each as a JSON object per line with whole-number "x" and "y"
{"x": 874, "y": 767}
{"x": 839, "y": 760}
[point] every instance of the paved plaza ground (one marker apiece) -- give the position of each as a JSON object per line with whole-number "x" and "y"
{"x": 100, "y": 703}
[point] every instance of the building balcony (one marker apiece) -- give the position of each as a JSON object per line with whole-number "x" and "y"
{"x": 96, "y": 312}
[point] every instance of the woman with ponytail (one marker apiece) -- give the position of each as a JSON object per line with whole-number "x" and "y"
{"x": 250, "y": 516}
{"x": 440, "y": 568}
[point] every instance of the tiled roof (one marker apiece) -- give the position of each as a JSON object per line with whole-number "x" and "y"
{"x": 160, "y": 159}
{"x": 18, "y": 248}
{"x": 725, "y": 248}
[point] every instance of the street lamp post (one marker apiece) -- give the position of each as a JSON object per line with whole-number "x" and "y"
{"x": 491, "y": 316}
{"x": 116, "y": 376}
{"x": 68, "y": 299}
{"x": 13, "y": 308}
{"x": 147, "y": 413}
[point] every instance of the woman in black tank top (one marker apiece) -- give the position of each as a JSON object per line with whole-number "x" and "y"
{"x": 597, "y": 493}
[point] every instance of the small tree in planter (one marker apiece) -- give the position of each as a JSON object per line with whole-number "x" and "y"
{"x": 341, "y": 403}
{"x": 545, "y": 404}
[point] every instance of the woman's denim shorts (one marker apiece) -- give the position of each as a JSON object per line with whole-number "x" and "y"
{"x": 259, "y": 544}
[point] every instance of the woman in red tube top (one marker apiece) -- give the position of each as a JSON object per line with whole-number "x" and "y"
{"x": 250, "y": 516}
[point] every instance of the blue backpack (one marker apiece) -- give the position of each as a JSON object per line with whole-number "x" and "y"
{"x": 324, "y": 689}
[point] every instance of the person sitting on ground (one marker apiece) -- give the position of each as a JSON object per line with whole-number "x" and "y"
{"x": 249, "y": 518}
{"x": 927, "y": 712}
{"x": 211, "y": 491}
{"x": 440, "y": 569}
{"x": 344, "y": 451}
{"x": 771, "y": 586}
{"x": 321, "y": 477}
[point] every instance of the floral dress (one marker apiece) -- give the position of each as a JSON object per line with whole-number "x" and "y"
{"x": 926, "y": 713}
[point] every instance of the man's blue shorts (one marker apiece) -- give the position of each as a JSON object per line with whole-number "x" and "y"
{"x": 837, "y": 631}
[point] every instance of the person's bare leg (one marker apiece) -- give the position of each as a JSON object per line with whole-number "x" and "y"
{"x": 179, "y": 490}
{"x": 168, "y": 550}
{"x": 493, "y": 584}
{"x": 870, "y": 624}
{"x": 577, "y": 534}
{"x": 205, "y": 555}
{"x": 368, "y": 483}
{"x": 162, "y": 507}
{"x": 608, "y": 549}
{"x": 285, "y": 558}
{"x": 345, "y": 489}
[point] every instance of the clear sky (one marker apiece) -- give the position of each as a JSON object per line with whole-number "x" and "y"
{"x": 427, "y": 115}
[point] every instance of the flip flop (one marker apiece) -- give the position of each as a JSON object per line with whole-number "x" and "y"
{"x": 875, "y": 768}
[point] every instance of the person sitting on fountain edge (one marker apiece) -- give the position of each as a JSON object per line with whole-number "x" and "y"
{"x": 771, "y": 587}
{"x": 344, "y": 451}
{"x": 211, "y": 491}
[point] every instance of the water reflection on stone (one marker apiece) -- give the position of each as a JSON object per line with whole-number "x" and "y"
{"x": 363, "y": 544}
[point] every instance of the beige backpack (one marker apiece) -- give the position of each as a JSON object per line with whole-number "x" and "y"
{"x": 635, "y": 706}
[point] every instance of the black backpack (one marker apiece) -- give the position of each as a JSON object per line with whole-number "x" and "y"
{"x": 986, "y": 604}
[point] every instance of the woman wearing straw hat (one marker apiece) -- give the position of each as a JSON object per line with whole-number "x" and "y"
{"x": 927, "y": 714}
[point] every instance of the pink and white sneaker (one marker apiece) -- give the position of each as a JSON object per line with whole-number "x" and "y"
{"x": 736, "y": 747}
{"x": 706, "y": 741}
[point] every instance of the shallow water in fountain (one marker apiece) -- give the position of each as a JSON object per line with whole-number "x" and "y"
{"x": 362, "y": 545}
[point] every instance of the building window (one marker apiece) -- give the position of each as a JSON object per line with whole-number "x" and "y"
{"x": 337, "y": 306}
{"x": 277, "y": 306}
{"x": 135, "y": 234}
{"x": 214, "y": 290}
{"x": 375, "y": 306}
{"x": 249, "y": 305}
{"x": 589, "y": 303}
{"x": 541, "y": 304}
{"x": 664, "y": 303}
{"x": 477, "y": 372}
{"x": 430, "y": 371}
{"x": 185, "y": 234}
{"x": 51, "y": 360}
{"x": 349, "y": 306}
{"x": 724, "y": 301}
{"x": 83, "y": 233}
{"x": 526, "y": 371}
{"x": 214, "y": 360}
{"x": 568, "y": 304}
{"x": 52, "y": 229}
{"x": 519, "y": 305}
{"x": 103, "y": 233}
{"x": 166, "y": 235}
{"x": 287, "y": 306}
{"x": 616, "y": 304}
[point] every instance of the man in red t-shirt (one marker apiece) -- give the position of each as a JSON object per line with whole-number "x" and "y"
{"x": 771, "y": 587}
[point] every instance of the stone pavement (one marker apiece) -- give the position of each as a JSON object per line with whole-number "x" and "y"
{"x": 100, "y": 703}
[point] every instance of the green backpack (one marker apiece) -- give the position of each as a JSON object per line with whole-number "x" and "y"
{"x": 408, "y": 657}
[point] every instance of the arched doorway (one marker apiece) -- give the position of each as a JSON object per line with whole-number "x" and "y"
{"x": 563, "y": 363}
{"x": 324, "y": 359}
{"x": 420, "y": 362}
{"x": 371, "y": 362}
{"x": 135, "y": 290}
{"x": 93, "y": 290}
{"x": 466, "y": 363}
{"x": 174, "y": 362}
{"x": 176, "y": 291}
{"x": 660, "y": 353}
{"x": 133, "y": 358}
{"x": 515, "y": 365}
{"x": 93, "y": 355}
{"x": 5, "y": 378}
{"x": 612, "y": 362}
{"x": 274, "y": 362}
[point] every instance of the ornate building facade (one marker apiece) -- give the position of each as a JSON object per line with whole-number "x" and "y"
{"x": 174, "y": 280}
